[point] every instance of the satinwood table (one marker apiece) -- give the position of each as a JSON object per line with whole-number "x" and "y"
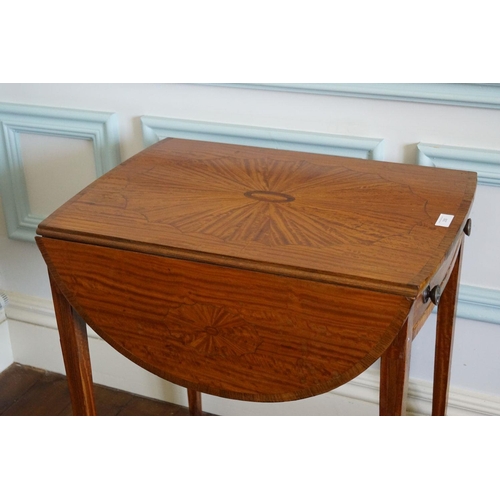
{"x": 259, "y": 274}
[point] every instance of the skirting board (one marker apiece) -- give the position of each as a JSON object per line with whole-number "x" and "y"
{"x": 35, "y": 342}
{"x": 6, "y": 357}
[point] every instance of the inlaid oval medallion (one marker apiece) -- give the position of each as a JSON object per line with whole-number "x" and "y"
{"x": 269, "y": 196}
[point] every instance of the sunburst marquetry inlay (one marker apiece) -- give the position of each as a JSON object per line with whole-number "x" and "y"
{"x": 275, "y": 203}
{"x": 212, "y": 331}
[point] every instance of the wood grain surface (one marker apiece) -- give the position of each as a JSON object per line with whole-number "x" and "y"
{"x": 340, "y": 220}
{"x": 223, "y": 331}
{"x": 28, "y": 391}
{"x": 258, "y": 274}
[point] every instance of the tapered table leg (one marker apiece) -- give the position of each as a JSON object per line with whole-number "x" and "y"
{"x": 444, "y": 339}
{"x": 394, "y": 371}
{"x": 75, "y": 350}
{"x": 194, "y": 399}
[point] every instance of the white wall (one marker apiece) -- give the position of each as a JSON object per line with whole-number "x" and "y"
{"x": 55, "y": 167}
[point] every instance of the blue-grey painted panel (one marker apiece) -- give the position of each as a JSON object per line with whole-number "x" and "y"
{"x": 99, "y": 127}
{"x": 479, "y": 304}
{"x": 457, "y": 94}
{"x": 483, "y": 161}
{"x": 156, "y": 128}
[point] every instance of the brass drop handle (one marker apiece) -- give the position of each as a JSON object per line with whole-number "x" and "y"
{"x": 434, "y": 294}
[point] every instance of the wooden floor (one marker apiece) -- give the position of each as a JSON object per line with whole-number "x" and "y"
{"x": 29, "y": 391}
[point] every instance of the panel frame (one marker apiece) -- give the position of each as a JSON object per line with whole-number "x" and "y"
{"x": 101, "y": 128}
{"x": 156, "y": 128}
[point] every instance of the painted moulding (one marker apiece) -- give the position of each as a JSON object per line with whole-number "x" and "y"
{"x": 158, "y": 128}
{"x": 98, "y": 127}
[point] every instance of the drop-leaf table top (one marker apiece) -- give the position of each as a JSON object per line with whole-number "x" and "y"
{"x": 259, "y": 274}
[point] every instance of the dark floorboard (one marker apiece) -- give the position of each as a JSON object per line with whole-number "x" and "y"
{"x": 27, "y": 391}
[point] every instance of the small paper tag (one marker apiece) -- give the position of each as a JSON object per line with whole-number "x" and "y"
{"x": 444, "y": 220}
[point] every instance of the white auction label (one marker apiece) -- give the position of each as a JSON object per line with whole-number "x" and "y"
{"x": 444, "y": 220}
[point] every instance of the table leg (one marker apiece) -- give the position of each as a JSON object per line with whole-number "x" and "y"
{"x": 444, "y": 339}
{"x": 394, "y": 370}
{"x": 194, "y": 399}
{"x": 75, "y": 350}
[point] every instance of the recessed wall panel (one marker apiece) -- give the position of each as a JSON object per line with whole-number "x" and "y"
{"x": 55, "y": 169}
